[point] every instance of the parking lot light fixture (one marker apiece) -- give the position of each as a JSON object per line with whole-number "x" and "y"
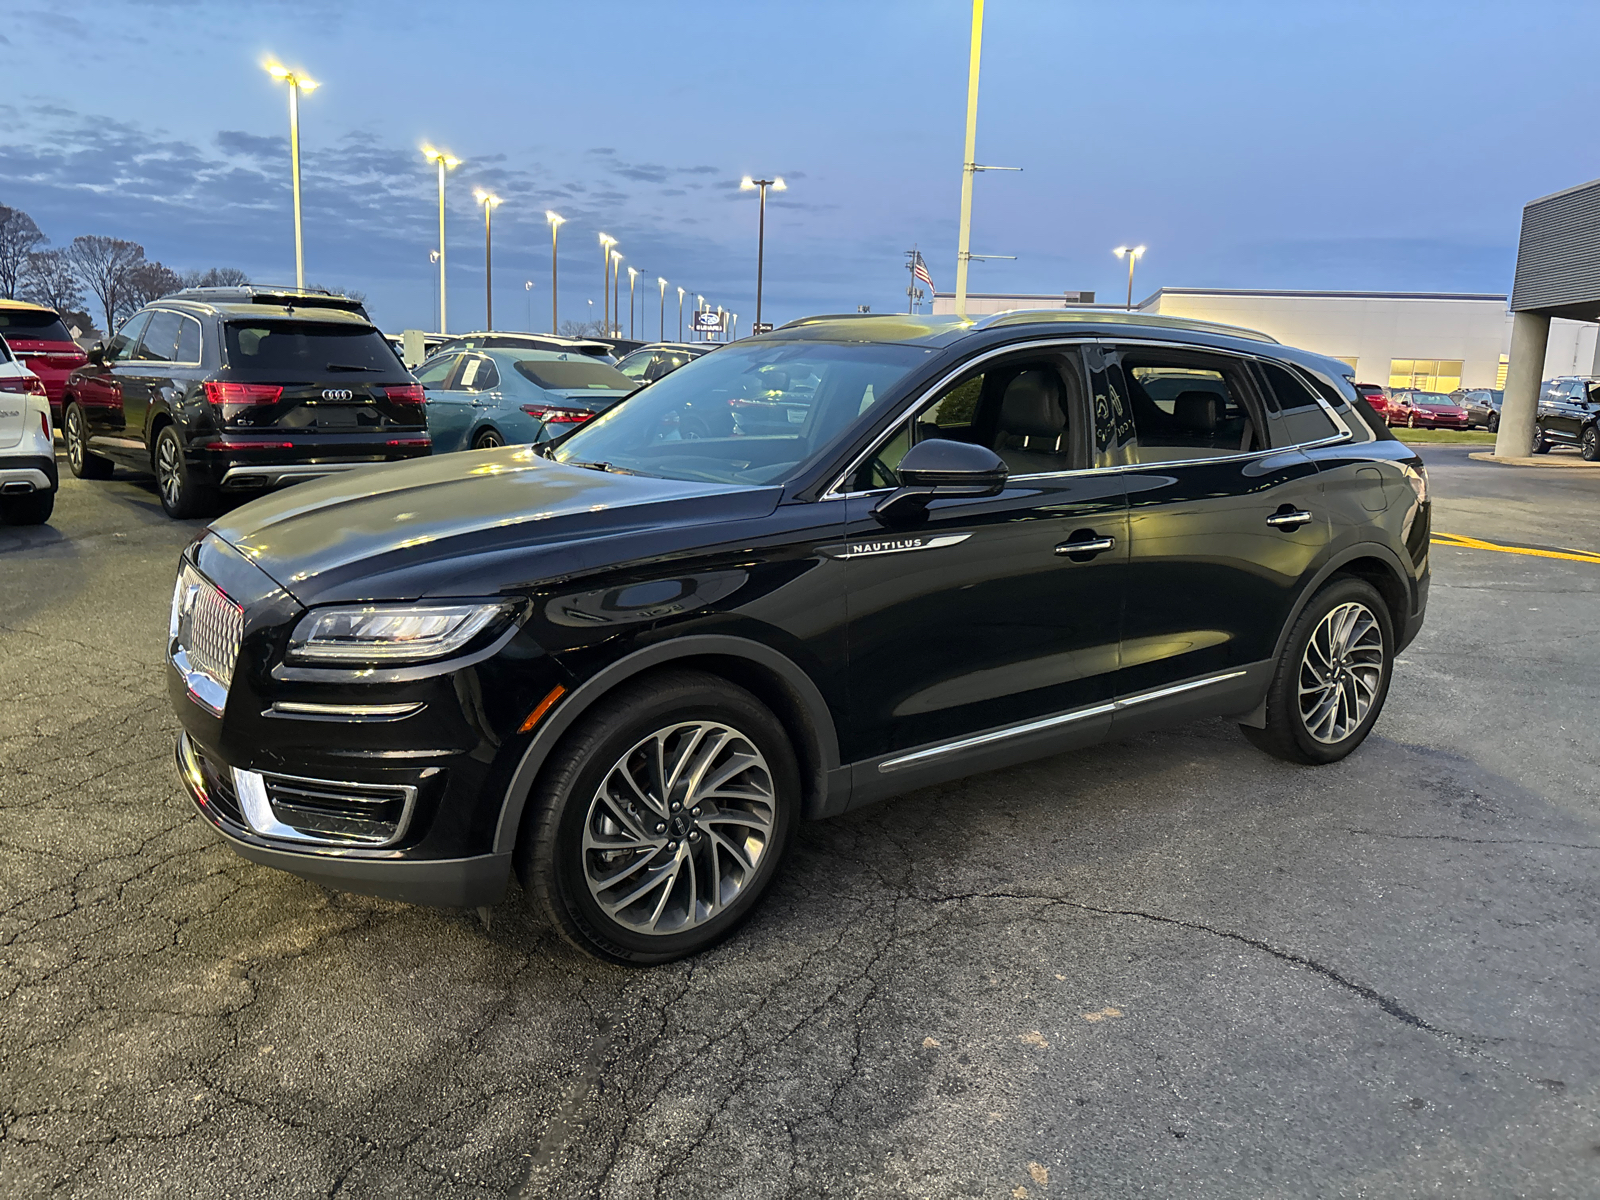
{"x": 556, "y": 221}
{"x": 1132, "y": 254}
{"x": 616, "y": 293}
{"x": 488, "y": 200}
{"x": 446, "y": 162}
{"x": 662, "y": 336}
{"x": 298, "y": 82}
{"x": 527, "y": 286}
{"x": 699, "y": 303}
{"x": 746, "y": 184}
{"x": 633, "y": 276}
{"x": 606, "y": 242}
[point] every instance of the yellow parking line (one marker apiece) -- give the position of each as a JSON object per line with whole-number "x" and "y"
{"x": 1462, "y": 542}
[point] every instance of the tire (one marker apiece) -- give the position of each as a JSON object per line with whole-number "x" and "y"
{"x": 612, "y": 741}
{"x": 33, "y": 509}
{"x": 1589, "y": 444}
{"x": 80, "y": 461}
{"x": 488, "y": 439}
{"x": 181, "y": 497}
{"x": 1541, "y": 444}
{"x": 1335, "y": 723}
{"x": 1411, "y": 421}
{"x": 1493, "y": 423}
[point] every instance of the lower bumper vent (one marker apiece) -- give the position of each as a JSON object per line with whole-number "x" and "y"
{"x": 331, "y": 812}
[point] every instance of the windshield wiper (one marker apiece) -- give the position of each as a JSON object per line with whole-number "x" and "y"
{"x": 350, "y": 367}
{"x": 610, "y": 468}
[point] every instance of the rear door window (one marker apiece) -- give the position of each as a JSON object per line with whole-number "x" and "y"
{"x": 160, "y": 340}
{"x": 1300, "y": 418}
{"x": 189, "y": 341}
{"x": 478, "y": 374}
{"x": 437, "y": 373}
{"x": 1187, "y": 404}
{"x": 308, "y": 349}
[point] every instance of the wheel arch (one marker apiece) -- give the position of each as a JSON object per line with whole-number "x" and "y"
{"x": 160, "y": 418}
{"x": 775, "y": 679}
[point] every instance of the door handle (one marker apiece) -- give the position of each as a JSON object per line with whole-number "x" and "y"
{"x": 1289, "y": 520}
{"x": 1093, "y": 545}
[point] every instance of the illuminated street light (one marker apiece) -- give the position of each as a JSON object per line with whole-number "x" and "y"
{"x": 527, "y": 286}
{"x": 662, "y": 309}
{"x": 447, "y": 162}
{"x": 556, "y": 221}
{"x": 680, "y": 314}
{"x": 606, "y": 242}
{"x": 699, "y": 304}
{"x": 746, "y": 184}
{"x": 616, "y": 294}
{"x": 297, "y": 83}
{"x": 433, "y": 257}
{"x": 1133, "y": 255}
{"x": 633, "y": 275}
{"x": 488, "y": 200}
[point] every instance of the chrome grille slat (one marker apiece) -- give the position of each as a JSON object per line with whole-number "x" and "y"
{"x": 206, "y": 630}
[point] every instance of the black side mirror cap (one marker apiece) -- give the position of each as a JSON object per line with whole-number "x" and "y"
{"x": 943, "y": 470}
{"x": 96, "y": 354}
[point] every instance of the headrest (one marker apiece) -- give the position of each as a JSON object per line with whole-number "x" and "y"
{"x": 1196, "y": 411}
{"x": 1031, "y": 405}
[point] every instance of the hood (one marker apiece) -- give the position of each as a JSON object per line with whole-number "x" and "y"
{"x": 463, "y": 524}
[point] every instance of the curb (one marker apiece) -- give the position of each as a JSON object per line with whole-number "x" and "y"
{"x": 1541, "y": 460}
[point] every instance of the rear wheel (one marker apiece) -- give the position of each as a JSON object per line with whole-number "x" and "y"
{"x": 1333, "y": 677}
{"x": 181, "y": 496}
{"x": 1589, "y": 444}
{"x": 32, "y": 509}
{"x": 488, "y": 439}
{"x": 75, "y": 434}
{"x": 1540, "y": 444}
{"x": 660, "y": 821}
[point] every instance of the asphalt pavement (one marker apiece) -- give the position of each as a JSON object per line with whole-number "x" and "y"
{"x": 1168, "y": 966}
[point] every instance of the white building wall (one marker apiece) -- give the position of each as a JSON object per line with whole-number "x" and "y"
{"x": 1571, "y": 350}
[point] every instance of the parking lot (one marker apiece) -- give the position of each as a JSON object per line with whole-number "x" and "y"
{"x": 1166, "y": 966}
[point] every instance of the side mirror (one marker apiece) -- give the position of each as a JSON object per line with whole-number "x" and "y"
{"x": 96, "y": 354}
{"x": 942, "y": 470}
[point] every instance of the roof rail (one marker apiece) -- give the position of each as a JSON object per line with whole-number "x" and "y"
{"x": 289, "y": 297}
{"x": 1042, "y": 316}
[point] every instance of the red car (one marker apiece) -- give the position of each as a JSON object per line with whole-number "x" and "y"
{"x": 43, "y": 345}
{"x": 1425, "y": 410}
{"x": 1376, "y": 397}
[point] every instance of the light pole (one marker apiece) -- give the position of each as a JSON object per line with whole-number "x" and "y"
{"x": 297, "y": 83}
{"x": 433, "y": 257}
{"x": 680, "y": 314}
{"x": 777, "y": 184}
{"x": 633, "y": 275}
{"x": 699, "y": 303}
{"x": 616, "y": 293}
{"x": 1132, "y": 254}
{"x": 527, "y": 286}
{"x": 488, "y": 200}
{"x": 662, "y": 336}
{"x": 446, "y": 162}
{"x": 556, "y": 221}
{"x": 606, "y": 242}
{"x": 733, "y": 327}
{"x": 722, "y": 325}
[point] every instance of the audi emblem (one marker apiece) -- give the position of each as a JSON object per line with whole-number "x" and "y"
{"x": 337, "y": 394}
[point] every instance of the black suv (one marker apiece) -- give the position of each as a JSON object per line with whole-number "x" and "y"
{"x": 241, "y": 388}
{"x": 1569, "y": 413}
{"x": 625, "y": 663}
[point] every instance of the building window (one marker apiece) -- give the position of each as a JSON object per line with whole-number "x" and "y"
{"x": 1426, "y": 374}
{"x": 1500, "y": 374}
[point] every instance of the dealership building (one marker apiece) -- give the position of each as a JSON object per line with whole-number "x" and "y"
{"x": 1437, "y": 341}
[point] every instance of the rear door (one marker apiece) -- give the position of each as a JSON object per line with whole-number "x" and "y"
{"x": 1223, "y": 528}
{"x": 1568, "y": 411}
{"x": 98, "y": 389}
{"x": 450, "y": 409}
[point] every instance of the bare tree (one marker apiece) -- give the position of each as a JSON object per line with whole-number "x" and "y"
{"x": 582, "y": 329}
{"x": 19, "y": 237}
{"x": 103, "y": 264}
{"x": 49, "y": 279}
{"x": 359, "y": 297}
{"x": 216, "y": 277}
{"x": 146, "y": 282}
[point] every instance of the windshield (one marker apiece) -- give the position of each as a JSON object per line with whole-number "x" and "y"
{"x": 1430, "y": 398}
{"x": 310, "y": 349}
{"x": 746, "y": 414}
{"x": 560, "y": 375}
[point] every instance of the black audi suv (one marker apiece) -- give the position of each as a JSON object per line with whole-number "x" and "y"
{"x": 625, "y": 663}
{"x": 238, "y": 389}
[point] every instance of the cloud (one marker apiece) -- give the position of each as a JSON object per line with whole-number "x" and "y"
{"x": 237, "y": 142}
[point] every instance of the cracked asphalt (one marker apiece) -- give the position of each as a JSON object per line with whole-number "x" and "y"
{"x": 1166, "y": 966}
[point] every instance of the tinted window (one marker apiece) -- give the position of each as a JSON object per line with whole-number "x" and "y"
{"x": 828, "y": 385}
{"x": 160, "y": 340}
{"x": 305, "y": 348}
{"x": 634, "y": 366}
{"x": 189, "y": 341}
{"x": 123, "y": 345}
{"x": 22, "y": 324}
{"x": 1186, "y": 405}
{"x": 554, "y": 374}
{"x": 434, "y": 374}
{"x": 478, "y": 374}
{"x": 1300, "y": 419}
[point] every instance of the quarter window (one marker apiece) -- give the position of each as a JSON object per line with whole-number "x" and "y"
{"x": 1186, "y": 405}
{"x": 1300, "y": 418}
{"x": 477, "y": 375}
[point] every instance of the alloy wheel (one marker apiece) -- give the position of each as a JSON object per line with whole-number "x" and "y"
{"x": 679, "y": 827}
{"x": 1590, "y": 445}
{"x": 489, "y": 439}
{"x": 169, "y": 471}
{"x": 75, "y": 440}
{"x": 1493, "y": 422}
{"x": 1341, "y": 672}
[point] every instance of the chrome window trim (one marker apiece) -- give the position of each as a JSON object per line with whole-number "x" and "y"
{"x": 918, "y": 757}
{"x": 1344, "y": 434}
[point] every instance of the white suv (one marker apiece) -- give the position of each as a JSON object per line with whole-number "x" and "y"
{"x": 28, "y": 477}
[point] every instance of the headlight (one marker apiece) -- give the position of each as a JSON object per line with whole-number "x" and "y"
{"x": 390, "y": 633}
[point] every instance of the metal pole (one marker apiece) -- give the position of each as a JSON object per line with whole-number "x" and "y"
{"x": 442, "y": 321}
{"x": 605, "y": 285}
{"x": 680, "y": 314}
{"x": 488, "y": 268}
{"x": 616, "y": 294}
{"x": 969, "y": 162}
{"x": 1132, "y": 258}
{"x": 761, "y": 248}
{"x": 632, "y": 281}
{"x": 294, "y": 156}
{"x": 554, "y": 328}
{"x": 662, "y": 336}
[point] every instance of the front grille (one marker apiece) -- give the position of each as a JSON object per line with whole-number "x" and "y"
{"x": 205, "y": 630}
{"x": 339, "y": 811}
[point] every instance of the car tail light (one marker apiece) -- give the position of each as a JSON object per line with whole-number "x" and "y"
{"x": 249, "y": 445}
{"x": 243, "y": 393}
{"x": 27, "y": 386}
{"x": 405, "y": 393}
{"x": 557, "y": 416}
{"x": 411, "y": 441}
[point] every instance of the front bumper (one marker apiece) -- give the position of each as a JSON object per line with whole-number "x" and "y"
{"x": 447, "y": 882}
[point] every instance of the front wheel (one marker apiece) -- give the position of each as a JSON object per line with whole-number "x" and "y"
{"x": 1493, "y": 423}
{"x": 75, "y": 434}
{"x": 1541, "y": 445}
{"x": 1333, "y": 676}
{"x": 1589, "y": 445}
{"x": 661, "y": 819}
{"x": 1411, "y": 421}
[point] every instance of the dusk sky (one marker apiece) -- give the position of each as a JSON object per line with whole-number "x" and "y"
{"x": 1277, "y": 144}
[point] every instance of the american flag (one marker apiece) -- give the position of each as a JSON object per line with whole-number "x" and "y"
{"x": 920, "y": 271}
